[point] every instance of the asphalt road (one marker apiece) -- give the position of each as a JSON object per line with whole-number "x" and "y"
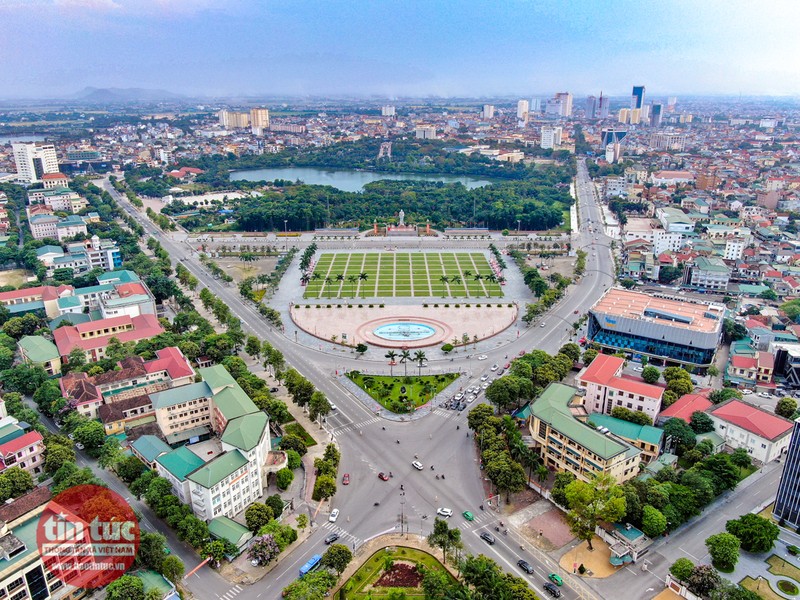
{"x": 439, "y": 439}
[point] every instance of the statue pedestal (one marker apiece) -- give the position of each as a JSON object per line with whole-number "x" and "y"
{"x": 401, "y": 230}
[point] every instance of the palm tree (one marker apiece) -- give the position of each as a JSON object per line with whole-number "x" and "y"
{"x": 542, "y": 473}
{"x": 305, "y": 278}
{"x": 362, "y": 277}
{"x": 456, "y": 279}
{"x": 478, "y": 277}
{"x": 391, "y": 355}
{"x": 328, "y": 282}
{"x": 491, "y": 278}
{"x": 444, "y": 280}
{"x": 419, "y": 358}
{"x": 405, "y": 355}
{"x": 352, "y": 279}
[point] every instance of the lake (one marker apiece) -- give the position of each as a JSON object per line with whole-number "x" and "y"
{"x": 346, "y": 180}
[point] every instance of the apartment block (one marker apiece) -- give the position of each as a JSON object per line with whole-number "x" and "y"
{"x": 566, "y": 442}
{"x": 762, "y": 433}
{"x": 34, "y": 161}
{"x": 607, "y": 388}
{"x": 787, "y": 502}
{"x": 38, "y": 351}
{"x": 93, "y": 337}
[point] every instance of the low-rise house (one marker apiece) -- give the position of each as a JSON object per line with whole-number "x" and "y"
{"x": 93, "y": 337}
{"x": 647, "y": 438}
{"x": 685, "y": 406}
{"x": 763, "y": 434}
{"x": 148, "y": 448}
{"x": 25, "y": 451}
{"x": 41, "y": 352}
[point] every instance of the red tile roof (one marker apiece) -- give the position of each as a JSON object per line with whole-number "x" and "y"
{"x": 24, "y": 504}
{"x": 744, "y": 362}
{"x": 603, "y": 371}
{"x": 686, "y": 405}
{"x": 172, "y": 361}
{"x": 69, "y": 337}
{"x": 760, "y": 422}
{"x": 50, "y": 176}
{"x": 45, "y": 292}
{"x": 13, "y": 446}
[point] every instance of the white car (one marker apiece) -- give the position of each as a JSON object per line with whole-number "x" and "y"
{"x": 541, "y": 325}
{"x": 746, "y": 392}
{"x": 764, "y": 395}
{"x": 444, "y": 512}
{"x": 333, "y": 407}
{"x": 485, "y": 385}
{"x": 638, "y": 369}
{"x": 459, "y": 395}
{"x": 79, "y": 446}
{"x": 495, "y": 367}
{"x": 482, "y": 357}
{"x": 484, "y": 377}
{"x": 417, "y": 465}
{"x": 334, "y": 515}
{"x": 471, "y": 399}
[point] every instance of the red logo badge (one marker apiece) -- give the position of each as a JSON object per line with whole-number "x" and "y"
{"x": 88, "y": 536}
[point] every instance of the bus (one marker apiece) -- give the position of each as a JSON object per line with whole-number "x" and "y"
{"x": 312, "y": 564}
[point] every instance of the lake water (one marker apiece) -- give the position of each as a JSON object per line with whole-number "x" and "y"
{"x": 346, "y": 180}
{"x": 7, "y": 139}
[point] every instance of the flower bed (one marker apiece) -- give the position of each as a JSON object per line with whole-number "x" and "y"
{"x": 402, "y": 574}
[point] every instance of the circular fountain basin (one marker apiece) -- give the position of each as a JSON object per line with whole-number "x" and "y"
{"x": 404, "y": 331}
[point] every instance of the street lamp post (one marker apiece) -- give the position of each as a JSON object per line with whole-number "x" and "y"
{"x": 285, "y": 235}
{"x": 518, "y": 226}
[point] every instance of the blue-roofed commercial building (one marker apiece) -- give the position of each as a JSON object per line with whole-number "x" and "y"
{"x": 567, "y": 442}
{"x": 787, "y": 502}
{"x": 678, "y": 331}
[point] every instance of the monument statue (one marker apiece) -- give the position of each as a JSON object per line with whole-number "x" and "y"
{"x": 401, "y": 216}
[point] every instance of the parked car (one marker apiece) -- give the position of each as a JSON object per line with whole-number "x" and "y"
{"x": 746, "y": 392}
{"x": 552, "y": 590}
{"x": 333, "y": 407}
{"x": 521, "y": 353}
{"x": 507, "y": 366}
{"x": 79, "y": 446}
{"x": 495, "y": 367}
{"x": 525, "y": 566}
{"x": 331, "y": 538}
{"x": 541, "y": 324}
{"x": 483, "y": 378}
{"x": 417, "y": 465}
{"x": 273, "y": 390}
{"x": 638, "y": 369}
{"x": 346, "y": 479}
{"x": 334, "y": 515}
{"x": 763, "y": 395}
{"x": 383, "y": 476}
{"x": 444, "y": 512}
{"x": 488, "y": 538}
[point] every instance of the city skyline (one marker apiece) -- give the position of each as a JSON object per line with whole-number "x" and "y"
{"x": 54, "y": 48}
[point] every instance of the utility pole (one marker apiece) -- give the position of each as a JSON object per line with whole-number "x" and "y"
{"x": 402, "y": 512}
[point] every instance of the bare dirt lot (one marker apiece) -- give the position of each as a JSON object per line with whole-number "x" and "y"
{"x": 15, "y": 277}
{"x": 240, "y": 270}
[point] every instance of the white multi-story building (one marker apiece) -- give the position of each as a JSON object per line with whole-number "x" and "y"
{"x": 488, "y": 112}
{"x": 425, "y": 132}
{"x": 388, "y": 111}
{"x": 523, "y": 108}
{"x": 34, "y": 160}
{"x": 734, "y": 248}
{"x": 607, "y": 388}
{"x": 551, "y": 137}
{"x": 762, "y": 433}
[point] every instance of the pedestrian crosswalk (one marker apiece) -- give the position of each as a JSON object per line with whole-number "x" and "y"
{"x": 231, "y": 593}
{"x": 359, "y": 425}
{"x": 343, "y": 534}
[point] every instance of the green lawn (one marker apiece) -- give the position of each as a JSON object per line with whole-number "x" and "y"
{"x": 401, "y": 394}
{"x": 361, "y": 584}
{"x": 389, "y": 274}
{"x": 298, "y": 430}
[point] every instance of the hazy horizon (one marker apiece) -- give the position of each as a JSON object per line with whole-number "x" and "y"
{"x": 415, "y": 49}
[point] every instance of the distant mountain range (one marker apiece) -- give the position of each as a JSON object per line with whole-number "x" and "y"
{"x": 110, "y": 95}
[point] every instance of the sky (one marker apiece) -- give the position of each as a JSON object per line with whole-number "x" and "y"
{"x": 400, "y": 48}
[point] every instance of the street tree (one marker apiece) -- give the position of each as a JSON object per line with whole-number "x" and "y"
{"x": 443, "y": 536}
{"x": 703, "y": 580}
{"x": 650, "y": 374}
{"x": 263, "y": 549}
{"x": 337, "y": 557}
{"x": 654, "y": 523}
{"x": 318, "y": 406}
{"x": 478, "y": 415}
{"x": 724, "y": 551}
{"x": 682, "y": 569}
{"x": 506, "y": 473}
{"x": 172, "y": 568}
{"x": 257, "y": 515}
{"x": 127, "y": 587}
{"x": 503, "y": 393}
{"x": 324, "y": 488}
{"x": 588, "y": 503}
{"x": 786, "y": 408}
{"x": 755, "y": 533}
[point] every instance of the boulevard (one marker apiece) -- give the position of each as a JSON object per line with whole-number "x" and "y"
{"x": 369, "y": 443}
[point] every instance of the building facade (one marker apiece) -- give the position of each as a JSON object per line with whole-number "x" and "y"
{"x": 787, "y": 502}
{"x": 34, "y": 161}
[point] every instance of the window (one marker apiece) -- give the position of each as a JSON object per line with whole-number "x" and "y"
{"x": 15, "y": 584}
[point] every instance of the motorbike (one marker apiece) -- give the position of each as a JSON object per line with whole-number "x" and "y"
{"x": 437, "y": 477}
{"x": 377, "y": 504}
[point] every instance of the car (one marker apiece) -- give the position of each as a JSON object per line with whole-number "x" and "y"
{"x": 482, "y": 357}
{"x": 468, "y": 515}
{"x": 333, "y": 406}
{"x": 500, "y": 372}
{"x": 521, "y": 353}
{"x": 334, "y": 515}
{"x": 346, "y": 479}
{"x": 638, "y": 369}
{"x": 575, "y": 312}
{"x": 763, "y": 395}
{"x": 79, "y": 446}
{"x": 472, "y": 399}
{"x": 383, "y": 476}
{"x": 459, "y": 395}
{"x": 444, "y": 512}
{"x": 495, "y": 367}
{"x": 255, "y": 562}
{"x": 555, "y": 578}
{"x": 273, "y": 390}
{"x": 541, "y": 324}
{"x": 470, "y": 389}
{"x": 484, "y": 377}
{"x": 525, "y": 566}
{"x": 746, "y": 392}
{"x": 488, "y": 538}
{"x": 417, "y": 465}
{"x": 485, "y": 385}
{"x": 423, "y": 364}
{"x": 331, "y": 538}
{"x": 461, "y": 407}
{"x": 71, "y": 436}
{"x": 507, "y": 366}
{"x": 552, "y": 590}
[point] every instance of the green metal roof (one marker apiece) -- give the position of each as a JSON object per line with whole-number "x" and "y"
{"x": 94, "y": 289}
{"x": 38, "y": 349}
{"x": 121, "y": 276}
{"x": 245, "y": 432}
{"x": 69, "y": 302}
{"x": 227, "y": 529}
{"x": 153, "y": 580}
{"x": 150, "y": 446}
{"x": 552, "y": 407}
{"x": 49, "y": 249}
{"x": 665, "y": 460}
{"x": 181, "y": 394}
{"x": 217, "y": 377}
{"x": 10, "y": 432}
{"x": 218, "y": 469}
{"x": 180, "y": 462}
{"x": 233, "y": 402}
{"x": 628, "y": 430}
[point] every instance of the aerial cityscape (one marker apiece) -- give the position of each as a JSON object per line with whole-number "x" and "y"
{"x": 399, "y": 300}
